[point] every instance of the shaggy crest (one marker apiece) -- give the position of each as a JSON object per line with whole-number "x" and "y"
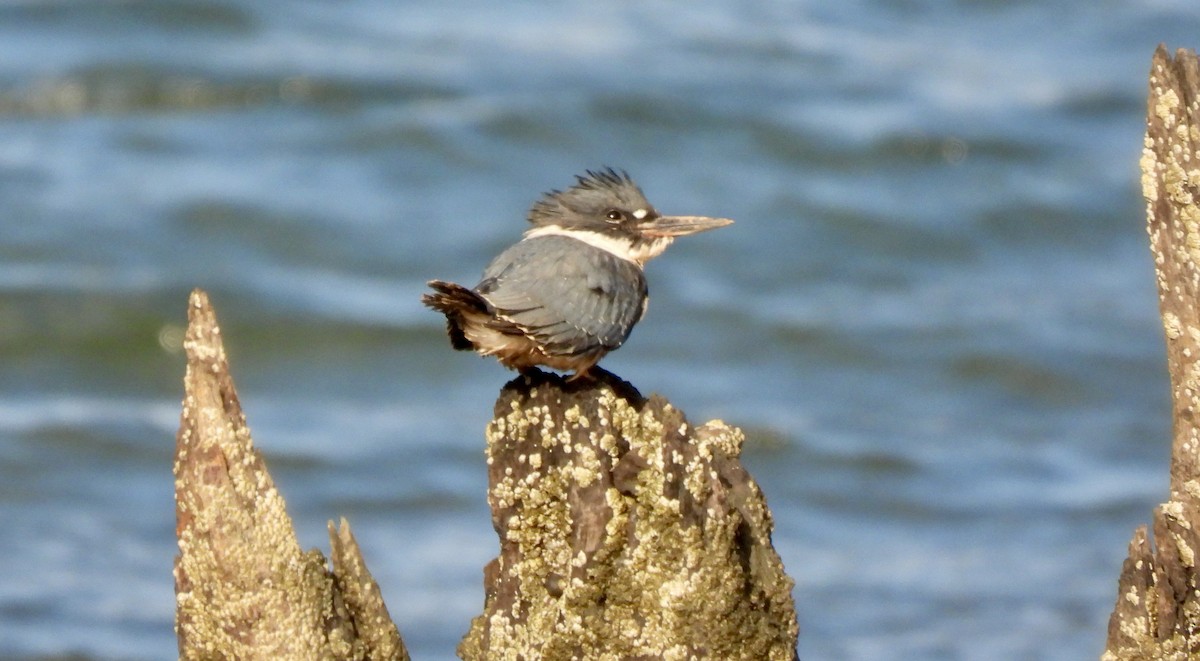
{"x": 590, "y": 192}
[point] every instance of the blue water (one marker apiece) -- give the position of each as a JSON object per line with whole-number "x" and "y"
{"x": 935, "y": 317}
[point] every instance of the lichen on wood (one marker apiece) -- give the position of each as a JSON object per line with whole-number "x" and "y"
{"x": 1157, "y": 612}
{"x": 625, "y": 533}
{"x": 244, "y": 589}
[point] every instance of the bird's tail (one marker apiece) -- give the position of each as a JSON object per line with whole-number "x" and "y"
{"x": 454, "y": 301}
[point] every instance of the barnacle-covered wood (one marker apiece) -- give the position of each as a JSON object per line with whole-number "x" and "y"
{"x": 625, "y": 533}
{"x": 1157, "y": 614}
{"x": 379, "y": 637}
{"x": 243, "y": 587}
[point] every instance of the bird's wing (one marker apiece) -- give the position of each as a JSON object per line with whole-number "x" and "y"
{"x": 566, "y": 294}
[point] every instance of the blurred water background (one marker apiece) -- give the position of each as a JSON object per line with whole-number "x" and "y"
{"x": 935, "y": 318}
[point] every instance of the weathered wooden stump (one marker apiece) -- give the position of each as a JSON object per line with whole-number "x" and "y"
{"x": 243, "y": 588}
{"x": 625, "y": 533}
{"x": 1157, "y": 613}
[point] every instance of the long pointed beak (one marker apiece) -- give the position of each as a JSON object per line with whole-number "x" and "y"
{"x": 681, "y": 225}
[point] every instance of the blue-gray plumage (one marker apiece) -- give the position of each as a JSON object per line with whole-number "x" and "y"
{"x": 573, "y": 288}
{"x": 591, "y": 300}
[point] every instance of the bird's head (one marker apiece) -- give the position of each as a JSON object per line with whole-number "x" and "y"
{"x": 608, "y": 210}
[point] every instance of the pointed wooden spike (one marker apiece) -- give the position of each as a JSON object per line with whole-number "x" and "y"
{"x": 1157, "y": 611}
{"x": 243, "y": 587}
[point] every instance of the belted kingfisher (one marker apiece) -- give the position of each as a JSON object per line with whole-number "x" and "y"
{"x": 572, "y": 288}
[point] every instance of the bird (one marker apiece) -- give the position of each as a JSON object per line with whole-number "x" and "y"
{"x": 572, "y": 289}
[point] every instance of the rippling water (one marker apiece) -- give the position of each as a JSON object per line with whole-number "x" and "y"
{"x": 935, "y": 318}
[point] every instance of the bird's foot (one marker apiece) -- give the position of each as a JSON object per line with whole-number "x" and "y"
{"x": 582, "y": 376}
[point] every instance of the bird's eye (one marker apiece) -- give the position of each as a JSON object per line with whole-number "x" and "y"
{"x": 614, "y": 215}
